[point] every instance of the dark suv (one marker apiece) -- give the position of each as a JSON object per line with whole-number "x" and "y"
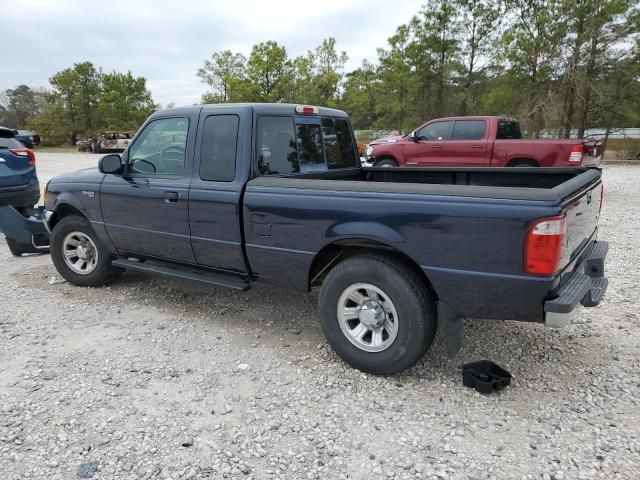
{"x": 19, "y": 185}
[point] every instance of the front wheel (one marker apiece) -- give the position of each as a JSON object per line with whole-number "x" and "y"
{"x": 377, "y": 313}
{"x": 78, "y": 254}
{"x": 388, "y": 163}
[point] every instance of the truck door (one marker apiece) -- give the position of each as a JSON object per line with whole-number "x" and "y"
{"x": 145, "y": 210}
{"x": 468, "y": 145}
{"x": 216, "y": 189}
{"x": 428, "y": 146}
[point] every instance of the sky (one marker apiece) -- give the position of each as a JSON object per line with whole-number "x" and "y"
{"x": 167, "y": 41}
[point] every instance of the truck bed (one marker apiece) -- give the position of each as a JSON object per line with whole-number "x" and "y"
{"x": 464, "y": 227}
{"x": 551, "y": 185}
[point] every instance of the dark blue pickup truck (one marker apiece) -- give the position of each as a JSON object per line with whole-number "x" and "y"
{"x": 232, "y": 194}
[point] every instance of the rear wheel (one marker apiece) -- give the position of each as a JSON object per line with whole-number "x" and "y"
{"x": 523, "y": 164}
{"x": 386, "y": 163}
{"x": 78, "y": 254}
{"x": 377, "y": 314}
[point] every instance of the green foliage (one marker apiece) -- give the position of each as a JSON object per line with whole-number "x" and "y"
{"x": 269, "y": 75}
{"x": 125, "y": 102}
{"x": 83, "y": 101}
{"x": 18, "y": 104}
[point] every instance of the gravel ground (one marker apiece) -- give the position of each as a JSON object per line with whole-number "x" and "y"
{"x": 149, "y": 378}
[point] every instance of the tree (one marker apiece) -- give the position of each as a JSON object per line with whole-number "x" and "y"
{"x": 479, "y": 22}
{"x": 266, "y": 72}
{"x": 531, "y": 45}
{"x": 125, "y": 101}
{"x": 359, "y": 96}
{"x": 84, "y": 101}
{"x": 224, "y": 73}
{"x": 78, "y": 89}
{"x": 327, "y": 64}
{"x": 18, "y": 104}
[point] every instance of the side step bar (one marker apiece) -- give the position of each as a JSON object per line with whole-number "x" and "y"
{"x": 184, "y": 273}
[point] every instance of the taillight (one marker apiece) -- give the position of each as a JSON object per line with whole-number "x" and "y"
{"x": 307, "y": 109}
{"x": 544, "y": 245}
{"x": 25, "y": 152}
{"x": 577, "y": 151}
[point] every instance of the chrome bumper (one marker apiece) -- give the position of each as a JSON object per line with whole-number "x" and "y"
{"x": 46, "y": 217}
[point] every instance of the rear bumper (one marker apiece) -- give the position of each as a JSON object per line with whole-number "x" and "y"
{"x": 20, "y": 198}
{"x": 585, "y": 286}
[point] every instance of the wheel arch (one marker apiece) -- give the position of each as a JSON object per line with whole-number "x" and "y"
{"x": 388, "y": 156}
{"x": 523, "y": 161}
{"x": 336, "y": 251}
{"x": 65, "y": 209}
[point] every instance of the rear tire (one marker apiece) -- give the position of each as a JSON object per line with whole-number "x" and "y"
{"x": 523, "y": 164}
{"x": 406, "y": 305}
{"x": 89, "y": 265}
{"x": 386, "y": 163}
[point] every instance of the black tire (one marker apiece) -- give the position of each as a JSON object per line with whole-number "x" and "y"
{"x": 386, "y": 163}
{"x": 523, "y": 164}
{"x": 103, "y": 271}
{"x": 13, "y": 247}
{"x": 417, "y": 317}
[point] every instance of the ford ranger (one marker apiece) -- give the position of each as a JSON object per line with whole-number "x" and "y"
{"x": 479, "y": 142}
{"x": 229, "y": 195}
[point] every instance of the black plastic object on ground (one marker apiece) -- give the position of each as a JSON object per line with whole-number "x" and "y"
{"x": 24, "y": 235}
{"x": 485, "y": 376}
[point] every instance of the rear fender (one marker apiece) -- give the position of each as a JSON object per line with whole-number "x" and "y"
{"x": 365, "y": 230}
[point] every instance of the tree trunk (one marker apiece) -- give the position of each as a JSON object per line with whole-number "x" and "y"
{"x": 572, "y": 79}
{"x": 589, "y": 73}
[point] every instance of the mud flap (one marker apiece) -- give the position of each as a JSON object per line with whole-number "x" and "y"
{"x": 451, "y": 328}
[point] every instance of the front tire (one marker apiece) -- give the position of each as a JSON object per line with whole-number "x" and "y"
{"x": 388, "y": 163}
{"x": 79, "y": 255}
{"x": 377, "y": 313}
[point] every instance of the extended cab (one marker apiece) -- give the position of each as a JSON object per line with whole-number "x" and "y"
{"x": 479, "y": 142}
{"x": 228, "y": 195}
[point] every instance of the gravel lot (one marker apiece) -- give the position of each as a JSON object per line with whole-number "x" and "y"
{"x": 149, "y": 378}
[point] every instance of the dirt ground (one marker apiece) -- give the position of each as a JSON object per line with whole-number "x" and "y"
{"x": 149, "y": 378}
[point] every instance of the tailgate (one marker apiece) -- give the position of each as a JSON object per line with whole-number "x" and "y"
{"x": 582, "y": 211}
{"x": 593, "y": 152}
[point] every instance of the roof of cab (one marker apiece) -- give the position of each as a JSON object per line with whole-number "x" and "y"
{"x": 258, "y": 108}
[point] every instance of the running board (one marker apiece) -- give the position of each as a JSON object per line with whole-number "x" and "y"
{"x": 183, "y": 273}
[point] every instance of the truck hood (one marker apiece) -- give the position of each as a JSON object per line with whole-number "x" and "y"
{"x": 86, "y": 175}
{"x": 387, "y": 140}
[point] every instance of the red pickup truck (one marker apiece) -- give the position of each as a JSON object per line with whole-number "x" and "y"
{"x": 479, "y": 142}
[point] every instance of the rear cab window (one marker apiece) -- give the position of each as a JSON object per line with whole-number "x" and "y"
{"x": 508, "y": 130}
{"x": 288, "y": 145}
{"x": 468, "y": 130}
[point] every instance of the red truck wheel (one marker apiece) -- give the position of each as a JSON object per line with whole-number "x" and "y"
{"x": 377, "y": 313}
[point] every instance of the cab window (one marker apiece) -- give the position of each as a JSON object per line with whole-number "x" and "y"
{"x": 434, "y": 131}
{"x": 287, "y": 145}
{"x": 218, "y": 154}
{"x": 160, "y": 149}
{"x": 468, "y": 130}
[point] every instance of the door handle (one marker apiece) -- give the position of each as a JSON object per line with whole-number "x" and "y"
{"x": 477, "y": 147}
{"x": 171, "y": 197}
{"x": 436, "y": 147}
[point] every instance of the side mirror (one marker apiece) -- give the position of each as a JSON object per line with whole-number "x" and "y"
{"x": 413, "y": 136}
{"x": 110, "y": 164}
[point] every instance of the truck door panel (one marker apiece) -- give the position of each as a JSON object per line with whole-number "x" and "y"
{"x": 216, "y": 191}
{"x": 429, "y": 146}
{"x": 146, "y": 210}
